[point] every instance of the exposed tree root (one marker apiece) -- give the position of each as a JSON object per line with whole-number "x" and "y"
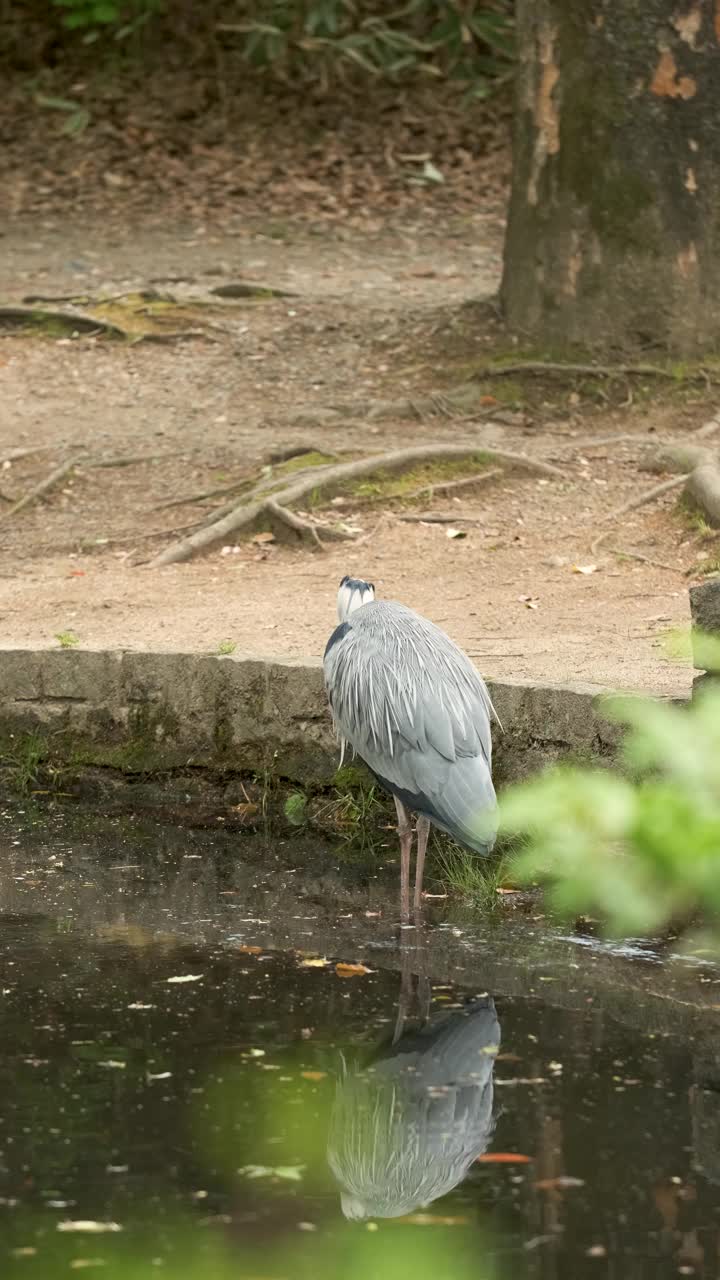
{"x": 303, "y": 527}
{"x": 703, "y": 487}
{"x": 649, "y": 496}
{"x": 637, "y": 555}
{"x": 43, "y": 486}
{"x": 325, "y": 479}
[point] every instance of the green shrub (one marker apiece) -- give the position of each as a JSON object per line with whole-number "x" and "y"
{"x": 640, "y": 848}
{"x": 467, "y": 40}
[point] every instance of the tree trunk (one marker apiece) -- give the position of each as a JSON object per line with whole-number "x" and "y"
{"x": 613, "y": 234}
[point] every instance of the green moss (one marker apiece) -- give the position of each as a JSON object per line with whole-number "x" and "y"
{"x": 303, "y": 460}
{"x": 385, "y": 484}
{"x": 351, "y": 777}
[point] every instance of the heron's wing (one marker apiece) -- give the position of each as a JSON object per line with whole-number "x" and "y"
{"x": 415, "y": 709}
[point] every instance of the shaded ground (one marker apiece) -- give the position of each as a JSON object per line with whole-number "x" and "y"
{"x": 377, "y": 316}
{"x": 165, "y": 194}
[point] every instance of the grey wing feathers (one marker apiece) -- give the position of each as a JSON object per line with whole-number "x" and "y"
{"x": 412, "y": 705}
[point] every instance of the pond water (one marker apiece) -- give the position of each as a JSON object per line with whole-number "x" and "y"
{"x": 210, "y": 1068}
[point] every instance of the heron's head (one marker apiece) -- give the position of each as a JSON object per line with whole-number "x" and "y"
{"x": 352, "y": 593}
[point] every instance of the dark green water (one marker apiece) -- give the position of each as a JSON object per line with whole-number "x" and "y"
{"x": 150, "y": 1126}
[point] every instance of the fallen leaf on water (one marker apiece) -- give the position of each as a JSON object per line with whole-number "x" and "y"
{"x": 250, "y": 951}
{"x": 314, "y": 1075}
{"x": 186, "y": 977}
{"x": 558, "y": 1184}
{"x": 139, "y": 1005}
{"x": 113, "y": 1064}
{"x": 351, "y": 970}
{"x": 244, "y": 810}
{"x": 292, "y": 1173}
{"x": 314, "y": 962}
{"x": 80, "y": 1264}
{"x": 504, "y": 1157}
{"x": 523, "y": 1080}
{"x": 89, "y": 1226}
{"x": 596, "y": 1251}
{"x": 584, "y": 568}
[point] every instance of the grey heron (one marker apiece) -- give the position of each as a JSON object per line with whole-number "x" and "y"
{"x": 412, "y": 705}
{"x": 406, "y": 1129}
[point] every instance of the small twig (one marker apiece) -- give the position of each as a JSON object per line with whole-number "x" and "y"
{"x": 591, "y": 442}
{"x": 636, "y": 555}
{"x": 132, "y": 459}
{"x": 444, "y": 486}
{"x": 205, "y": 495}
{"x": 303, "y": 527}
{"x": 430, "y": 517}
{"x": 359, "y": 542}
{"x": 593, "y": 370}
{"x": 43, "y": 486}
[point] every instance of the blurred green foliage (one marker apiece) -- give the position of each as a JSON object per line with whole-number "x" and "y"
{"x": 92, "y": 17}
{"x": 468, "y": 40}
{"x": 639, "y": 847}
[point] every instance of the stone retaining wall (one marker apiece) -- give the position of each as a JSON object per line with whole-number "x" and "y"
{"x": 155, "y": 712}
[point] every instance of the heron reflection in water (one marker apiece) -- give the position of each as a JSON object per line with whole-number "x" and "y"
{"x": 406, "y": 1128}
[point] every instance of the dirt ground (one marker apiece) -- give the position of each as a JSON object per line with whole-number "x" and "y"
{"x": 383, "y": 313}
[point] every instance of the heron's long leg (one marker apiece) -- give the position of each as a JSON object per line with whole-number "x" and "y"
{"x": 423, "y": 831}
{"x": 405, "y": 834}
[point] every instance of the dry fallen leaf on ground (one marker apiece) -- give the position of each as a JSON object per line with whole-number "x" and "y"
{"x": 455, "y": 533}
{"x": 584, "y": 568}
{"x": 351, "y": 970}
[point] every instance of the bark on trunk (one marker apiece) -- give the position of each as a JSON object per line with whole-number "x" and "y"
{"x": 614, "y": 224}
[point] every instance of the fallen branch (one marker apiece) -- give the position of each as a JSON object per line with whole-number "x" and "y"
{"x": 44, "y": 485}
{"x": 246, "y": 513}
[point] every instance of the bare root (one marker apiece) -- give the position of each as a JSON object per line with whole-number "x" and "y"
{"x": 43, "y": 486}
{"x": 325, "y": 479}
